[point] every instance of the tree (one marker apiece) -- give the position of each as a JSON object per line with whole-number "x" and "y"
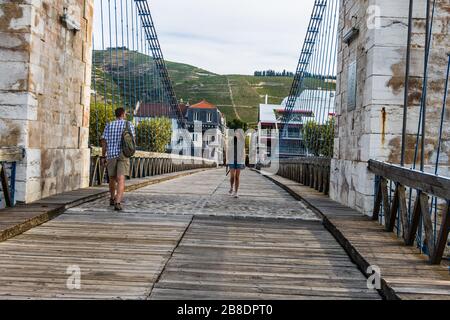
{"x": 154, "y": 135}
{"x": 310, "y": 137}
{"x": 328, "y": 138}
{"x": 319, "y": 139}
{"x": 100, "y": 114}
{"x": 237, "y": 124}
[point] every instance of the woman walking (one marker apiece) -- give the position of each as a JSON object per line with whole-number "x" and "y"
{"x": 235, "y": 159}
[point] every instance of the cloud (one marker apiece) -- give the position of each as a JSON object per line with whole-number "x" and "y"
{"x": 232, "y": 36}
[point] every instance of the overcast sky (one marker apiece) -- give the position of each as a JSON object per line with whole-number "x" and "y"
{"x": 232, "y": 36}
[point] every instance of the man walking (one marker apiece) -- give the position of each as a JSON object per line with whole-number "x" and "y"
{"x": 118, "y": 164}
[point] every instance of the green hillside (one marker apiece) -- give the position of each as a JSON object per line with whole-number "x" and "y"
{"x": 237, "y": 96}
{"x": 119, "y": 72}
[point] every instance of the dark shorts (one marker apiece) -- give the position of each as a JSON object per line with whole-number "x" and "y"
{"x": 236, "y": 166}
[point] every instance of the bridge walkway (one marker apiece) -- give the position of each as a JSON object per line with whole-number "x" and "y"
{"x": 184, "y": 239}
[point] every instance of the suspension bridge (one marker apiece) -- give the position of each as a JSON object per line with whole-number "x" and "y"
{"x": 357, "y": 207}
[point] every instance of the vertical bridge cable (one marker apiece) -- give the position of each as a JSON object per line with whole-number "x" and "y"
{"x": 94, "y": 80}
{"x": 116, "y": 73}
{"x": 122, "y": 68}
{"x": 305, "y": 58}
{"x": 110, "y": 66}
{"x": 428, "y": 37}
{"x": 134, "y": 55}
{"x": 129, "y": 61}
{"x": 315, "y": 71}
{"x": 438, "y": 155}
{"x": 407, "y": 73}
{"x": 149, "y": 89}
{"x": 128, "y": 69}
{"x": 406, "y": 97}
{"x": 102, "y": 57}
{"x": 441, "y": 126}
{"x": 312, "y": 72}
{"x": 326, "y": 76}
{"x": 331, "y": 88}
{"x": 152, "y": 39}
{"x": 421, "y": 127}
{"x": 138, "y": 59}
{"x": 319, "y": 76}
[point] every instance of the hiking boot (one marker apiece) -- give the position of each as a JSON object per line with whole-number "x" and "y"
{"x": 118, "y": 207}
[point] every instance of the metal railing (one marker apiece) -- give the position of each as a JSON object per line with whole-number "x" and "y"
{"x": 8, "y": 162}
{"x": 310, "y": 171}
{"x": 415, "y": 204}
{"x": 147, "y": 164}
{"x": 410, "y": 201}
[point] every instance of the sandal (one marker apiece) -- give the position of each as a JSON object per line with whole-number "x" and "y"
{"x": 118, "y": 207}
{"x": 112, "y": 202}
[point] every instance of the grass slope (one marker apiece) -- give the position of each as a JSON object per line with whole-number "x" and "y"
{"x": 235, "y": 95}
{"x": 193, "y": 84}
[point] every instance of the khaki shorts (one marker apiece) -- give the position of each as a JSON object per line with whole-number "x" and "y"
{"x": 119, "y": 166}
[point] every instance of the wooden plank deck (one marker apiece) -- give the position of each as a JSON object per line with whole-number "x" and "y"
{"x": 226, "y": 258}
{"x": 405, "y": 272}
{"x": 185, "y": 250}
{"x": 119, "y": 257}
{"x": 16, "y": 220}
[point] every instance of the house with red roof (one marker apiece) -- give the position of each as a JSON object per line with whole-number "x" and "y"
{"x": 207, "y": 125}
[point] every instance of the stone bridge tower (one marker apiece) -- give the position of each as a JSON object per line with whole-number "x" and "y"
{"x": 370, "y": 92}
{"x": 45, "y": 75}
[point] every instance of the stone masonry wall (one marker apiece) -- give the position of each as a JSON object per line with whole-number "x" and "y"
{"x": 45, "y": 81}
{"x": 373, "y": 129}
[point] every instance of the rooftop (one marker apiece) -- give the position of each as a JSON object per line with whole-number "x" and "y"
{"x": 303, "y": 112}
{"x": 152, "y": 110}
{"x": 270, "y": 113}
{"x": 157, "y": 109}
{"x": 314, "y": 99}
{"x": 203, "y": 105}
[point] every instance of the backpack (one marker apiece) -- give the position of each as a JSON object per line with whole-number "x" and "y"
{"x": 128, "y": 142}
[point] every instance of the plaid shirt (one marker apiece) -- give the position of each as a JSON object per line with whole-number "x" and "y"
{"x": 113, "y": 137}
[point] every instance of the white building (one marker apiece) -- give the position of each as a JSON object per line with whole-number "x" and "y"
{"x": 311, "y": 105}
{"x": 320, "y": 102}
{"x": 207, "y": 125}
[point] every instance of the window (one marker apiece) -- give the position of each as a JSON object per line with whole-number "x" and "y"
{"x": 196, "y": 116}
{"x": 195, "y": 137}
{"x": 293, "y": 133}
{"x": 208, "y": 117}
